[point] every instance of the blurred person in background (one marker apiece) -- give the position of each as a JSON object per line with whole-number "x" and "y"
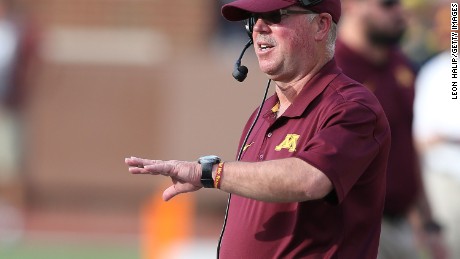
{"x": 17, "y": 45}
{"x": 368, "y": 51}
{"x": 437, "y": 131}
{"x": 311, "y": 180}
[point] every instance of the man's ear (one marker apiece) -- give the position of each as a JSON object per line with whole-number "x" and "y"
{"x": 324, "y": 26}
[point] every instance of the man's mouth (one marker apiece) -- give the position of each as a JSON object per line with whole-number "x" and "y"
{"x": 264, "y": 47}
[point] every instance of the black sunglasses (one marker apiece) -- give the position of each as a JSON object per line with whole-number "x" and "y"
{"x": 276, "y": 16}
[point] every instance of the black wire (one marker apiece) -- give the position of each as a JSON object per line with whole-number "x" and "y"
{"x": 248, "y": 44}
{"x": 254, "y": 122}
{"x": 240, "y": 153}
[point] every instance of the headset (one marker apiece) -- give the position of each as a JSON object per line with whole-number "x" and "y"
{"x": 240, "y": 72}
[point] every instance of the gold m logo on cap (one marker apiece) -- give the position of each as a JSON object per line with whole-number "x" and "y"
{"x": 290, "y": 143}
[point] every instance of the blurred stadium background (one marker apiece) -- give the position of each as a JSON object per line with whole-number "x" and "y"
{"x": 108, "y": 79}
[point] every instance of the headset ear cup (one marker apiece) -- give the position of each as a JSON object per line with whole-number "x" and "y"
{"x": 250, "y": 26}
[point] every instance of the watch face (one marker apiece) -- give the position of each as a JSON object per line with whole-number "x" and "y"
{"x": 209, "y": 159}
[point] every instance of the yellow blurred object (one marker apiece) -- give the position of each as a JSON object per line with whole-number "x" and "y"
{"x": 165, "y": 225}
{"x": 413, "y": 3}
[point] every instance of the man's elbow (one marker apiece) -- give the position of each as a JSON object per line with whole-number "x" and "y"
{"x": 319, "y": 188}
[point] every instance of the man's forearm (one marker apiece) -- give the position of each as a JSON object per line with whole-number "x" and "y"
{"x": 284, "y": 180}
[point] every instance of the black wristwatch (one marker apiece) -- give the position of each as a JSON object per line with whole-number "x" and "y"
{"x": 206, "y": 169}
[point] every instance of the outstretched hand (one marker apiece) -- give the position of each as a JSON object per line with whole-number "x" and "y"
{"x": 185, "y": 176}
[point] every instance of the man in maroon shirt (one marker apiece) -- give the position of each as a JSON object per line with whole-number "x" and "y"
{"x": 367, "y": 51}
{"x": 310, "y": 182}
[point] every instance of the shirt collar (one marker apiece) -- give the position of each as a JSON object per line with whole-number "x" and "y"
{"x": 309, "y": 92}
{"x": 312, "y": 89}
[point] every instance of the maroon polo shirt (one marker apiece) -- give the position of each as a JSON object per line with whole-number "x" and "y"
{"x": 338, "y": 126}
{"x": 393, "y": 84}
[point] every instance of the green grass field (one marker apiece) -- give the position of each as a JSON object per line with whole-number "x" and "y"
{"x": 70, "y": 251}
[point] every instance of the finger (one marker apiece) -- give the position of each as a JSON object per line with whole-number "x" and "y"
{"x": 162, "y": 167}
{"x": 132, "y": 161}
{"x": 178, "y": 188}
{"x": 140, "y": 162}
{"x": 139, "y": 170}
{"x": 170, "y": 193}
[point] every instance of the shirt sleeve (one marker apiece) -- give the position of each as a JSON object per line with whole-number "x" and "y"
{"x": 345, "y": 146}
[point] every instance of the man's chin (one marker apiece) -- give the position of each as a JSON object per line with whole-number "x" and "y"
{"x": 270, "y": 71}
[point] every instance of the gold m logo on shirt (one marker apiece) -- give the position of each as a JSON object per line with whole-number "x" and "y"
{"x": 247, "y": 146}
{"x": 290, "y": 143}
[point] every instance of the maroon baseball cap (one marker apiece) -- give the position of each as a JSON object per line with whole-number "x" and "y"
{"x": 242, "y": 9}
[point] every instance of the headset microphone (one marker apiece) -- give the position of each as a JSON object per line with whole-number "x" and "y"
{"x": 241, "y": 72}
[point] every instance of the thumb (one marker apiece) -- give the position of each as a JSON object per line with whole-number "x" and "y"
{"x": 170, "y": 193}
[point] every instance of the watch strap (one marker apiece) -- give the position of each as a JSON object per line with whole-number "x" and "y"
{"x": 206, "y": 175}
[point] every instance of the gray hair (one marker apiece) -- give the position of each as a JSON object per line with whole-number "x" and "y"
{"x": 331, "y": 36}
